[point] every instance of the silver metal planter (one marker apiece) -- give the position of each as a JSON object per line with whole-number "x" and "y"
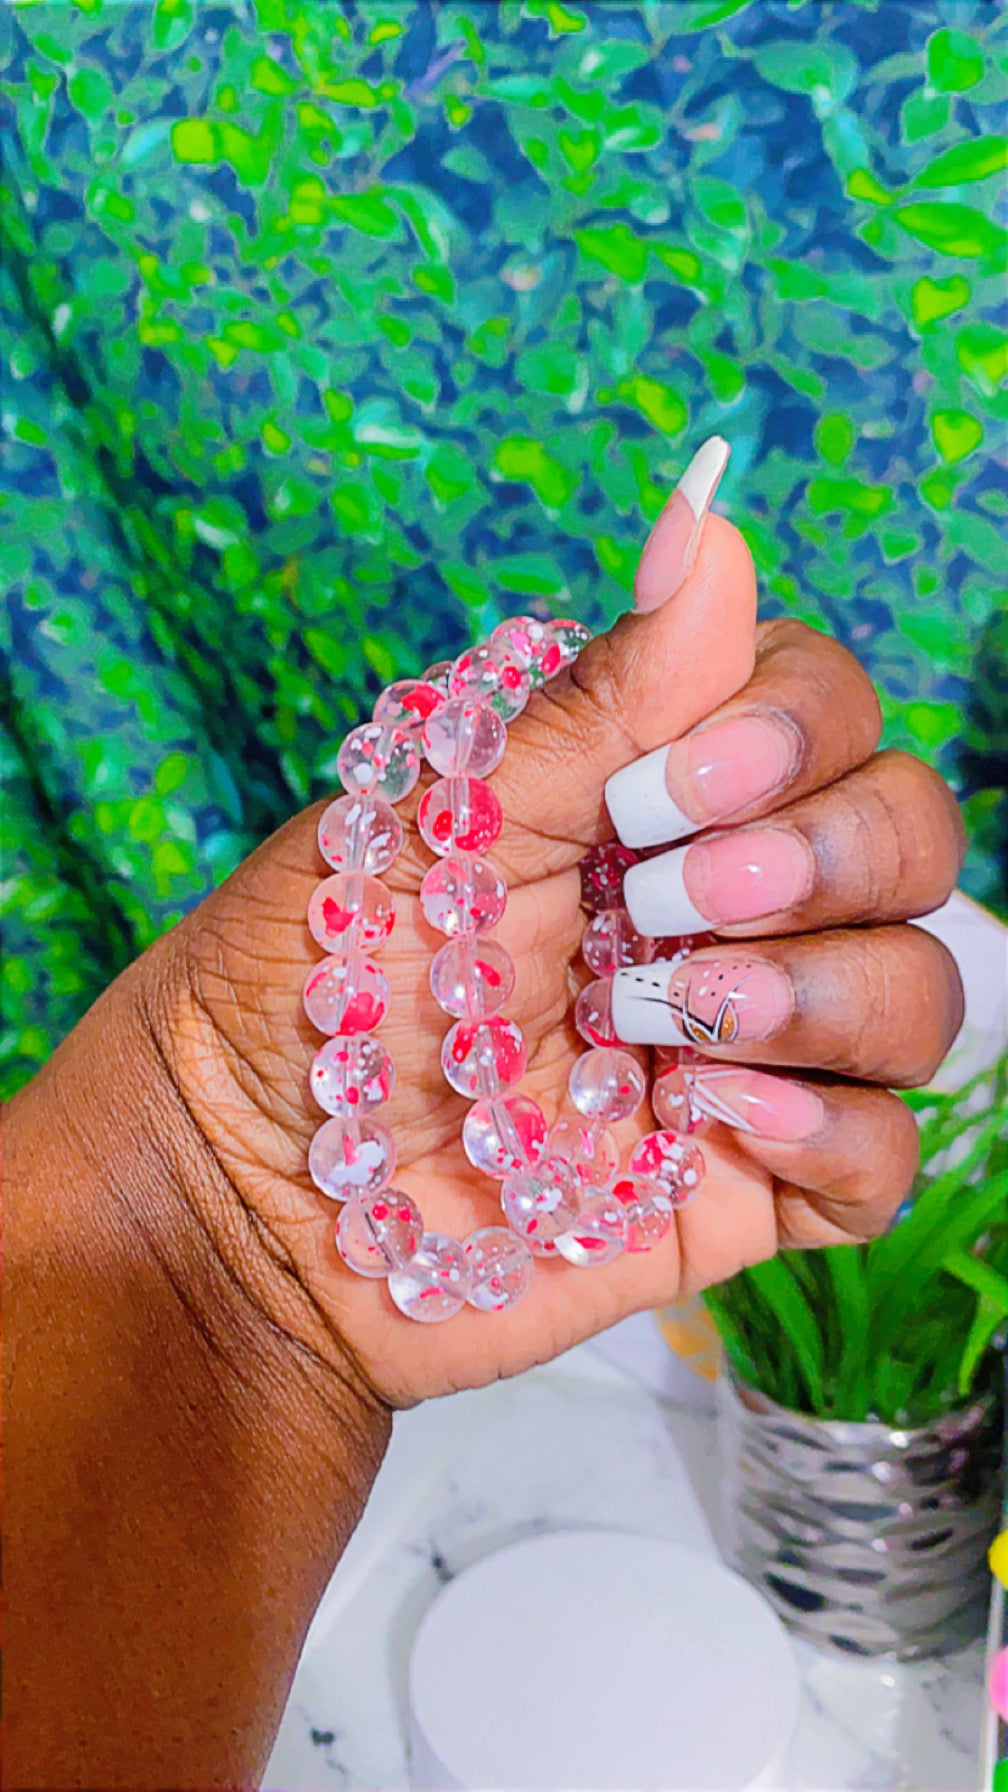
{"x": 864, "y": 1538}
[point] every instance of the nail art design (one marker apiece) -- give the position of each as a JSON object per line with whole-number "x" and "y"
{"x": 772, "y": 1107}
{"x": 702, "y": 1002}
{"x": 671, "y": 548}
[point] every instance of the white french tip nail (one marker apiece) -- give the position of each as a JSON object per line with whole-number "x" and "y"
{"x": 655, "y": 895}
{"x": 641, "y": 1014}
{"x": 640, "y": 808}
{"x": 700, "y": 480}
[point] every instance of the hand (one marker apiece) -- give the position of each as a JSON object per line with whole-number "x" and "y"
{"x": 832, "y": 982}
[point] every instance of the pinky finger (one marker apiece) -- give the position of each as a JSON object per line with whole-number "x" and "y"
{"x": 842, "y": 1155}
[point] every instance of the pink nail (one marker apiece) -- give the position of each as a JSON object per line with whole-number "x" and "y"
{"x": 748, "y": 874}
{"x": 771, "y": 1106}
{"x": 716, "y": 771}
{"x": 705, "y": 1001}
{"x": 671, "y": 547}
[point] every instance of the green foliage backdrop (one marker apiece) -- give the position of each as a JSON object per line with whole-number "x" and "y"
{"x": 337, "y": 331}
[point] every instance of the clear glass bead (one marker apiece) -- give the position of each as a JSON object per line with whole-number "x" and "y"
{"x": 565, "y": 639}
{"x": 593, "y": 1013}
{"x": 599, "y": 1232}
{"x": 463, "y": 894}
{"x": 483, "y": 1057}
{"x": 351, "y": 1157}
{"x": 611, "y": 941}
{"x": 471, "y": 978}
{"x": 672, "y": 1161}
{"x": 407, "y": 703}
{"x": 492, "y": 674}
{"x": 360, "y": 833}
{"x": 351, "y": 1076}
{"x": 464, "y": 737}
{"x": 379, "y": 759}
{"x": 524, "y": 637}
{"x": 505, "y": 1136}
{"x": 673, "y": 948}
{"x": 587, "y": 1145}
{"x": 438, "y": 675}
{"x": 350, "y": 907}
{"x": 602, "y": 872}
{"x": 337, "y": 1002}
{"x": 379, "y": 1232}
{"x": 648, "y": 1210}
{"x": 673, "y": 1102}
{"x": 434, "y": 1284}
{"x": 500, "y": 1268}
{"x": 606, "y": 1084}
{"x": 459, "y": 815}
{"x": 541, "y": 1204}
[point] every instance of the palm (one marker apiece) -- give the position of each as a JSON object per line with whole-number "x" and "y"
{"x": 249, "y": 1047}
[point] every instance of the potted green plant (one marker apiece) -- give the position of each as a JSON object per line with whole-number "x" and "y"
{"x": 861, "y": 1413}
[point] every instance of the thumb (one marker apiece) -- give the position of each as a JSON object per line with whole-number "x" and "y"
{"x": 641, "y": 685}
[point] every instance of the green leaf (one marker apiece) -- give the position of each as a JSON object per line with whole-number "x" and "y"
{"x": 91, "y": 92}
{"x": 778, "y": 1287}
{"x": 954, "y": 61}
{"x": 967, "y": 161}
{"x": 617, "y": 248}
{"x": 195, "y": 140}
{"x": 923, "y": 115}
{"x": 955, "y": 434}
{"x": 933, "y": 299}
{"x": 807, "y": 66}
{"x": 981, "y": 347}
{"x": 267, "y": 76}
{"x": 720, "y": 203}
{"x": 660, "y": 404}
{"x": 524, "y": 458}
{"x": 834, "y": 437}
{"x": 367, "y": 212}
{"x": 952, "y": 229}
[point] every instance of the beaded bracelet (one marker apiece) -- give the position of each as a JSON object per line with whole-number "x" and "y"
{"x": 562, "y": 1193}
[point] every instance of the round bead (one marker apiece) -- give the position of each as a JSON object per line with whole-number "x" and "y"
{"x": 500, "y": 1269}
{"x": 379, "y": 1232}
{"x": 602, "y": 872}
{"x": 359, "y": 833}
{"x": 434, "y": 1284}
{"x": 673, "y": 948}
{"x": 464, "y": 736}
{"x": 673, "y": 1102}
{"x": 593, "y": 1013}
{"x": 407, "y": 703}
{"x": 524, "y": 637}
{"x": 463, "y": 894}
{"x": 606, "y": 1084}
{"x": 351, "y": 1157}
{"x": 350, "y": 906}
{"x": 471, "y": 978}
{"x": 459, "y": 815}
{"x": 599, "y": 1233}
{"x": 335, "y": 1004}
{"x": 541, "y": 1204}
{"x": 504, "y": 1137}
{"x": 587, "y": 1145}
{"x": 438, "y": 675}
{"x": 494, "y": 675}
{"x": 611, "y": 941}
{"x": 565, "y": 639}
{"x": 381, "y": 759}
{"x": 647, "y": 1208}
{"x": 671, "y": 1161}
{"x": 483, "y": 1057}
{"x": 351, "y": 1076}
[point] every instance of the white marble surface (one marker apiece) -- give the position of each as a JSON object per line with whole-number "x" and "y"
{"x": 591, "y": 1440}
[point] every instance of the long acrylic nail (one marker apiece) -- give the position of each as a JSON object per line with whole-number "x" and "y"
{"x": 709, "y": 775}
{"x": 703, "y": 1001}
{"x": 671, "y": 547}
{"x": 740, "y": 876}
{"x": 770, "y": 1106}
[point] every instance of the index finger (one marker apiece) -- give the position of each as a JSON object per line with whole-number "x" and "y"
{"x": 808, "y": 715}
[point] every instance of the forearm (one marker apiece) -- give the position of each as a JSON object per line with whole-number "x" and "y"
{"x": 182, "y": 1470}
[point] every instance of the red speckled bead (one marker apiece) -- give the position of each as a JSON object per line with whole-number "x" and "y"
{"x": 463, "y": 894}
{"x": 484, "y": 1057}
{"x": 647, "y": 1209}
{"x": 350, "y": 906}
{"x": 351, "y": 1076}
{"x": 407, "y": 704}
{"x": 606, "y": 1084}
{"x": 379, "y": 1232}
{"x": 669, "y": 1159}
{"x": 459, "y": 815}
{"x": 471, "y": 978}
{"x": 504, "y": 1136}
{"x": 351, "y": 1157}
{"x": 335, "y": 1002}
{"x": 599, "y": 1232}
{"x": 602, "y": 872}
{"x": 500, "y": 1269}
{"x": 360, "y": 833}
{"x": 611, "y": 941}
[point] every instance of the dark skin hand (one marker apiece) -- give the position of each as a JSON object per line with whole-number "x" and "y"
{"x": 200, "y": 1392}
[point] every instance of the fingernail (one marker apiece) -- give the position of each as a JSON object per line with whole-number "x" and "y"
{"x": 710, "y": 774}
{"x": 771, "y": 1106}
{"x": 703, "y": 1001}
{"x": 741, "y": 876}
{"x": 671, "y": 547}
